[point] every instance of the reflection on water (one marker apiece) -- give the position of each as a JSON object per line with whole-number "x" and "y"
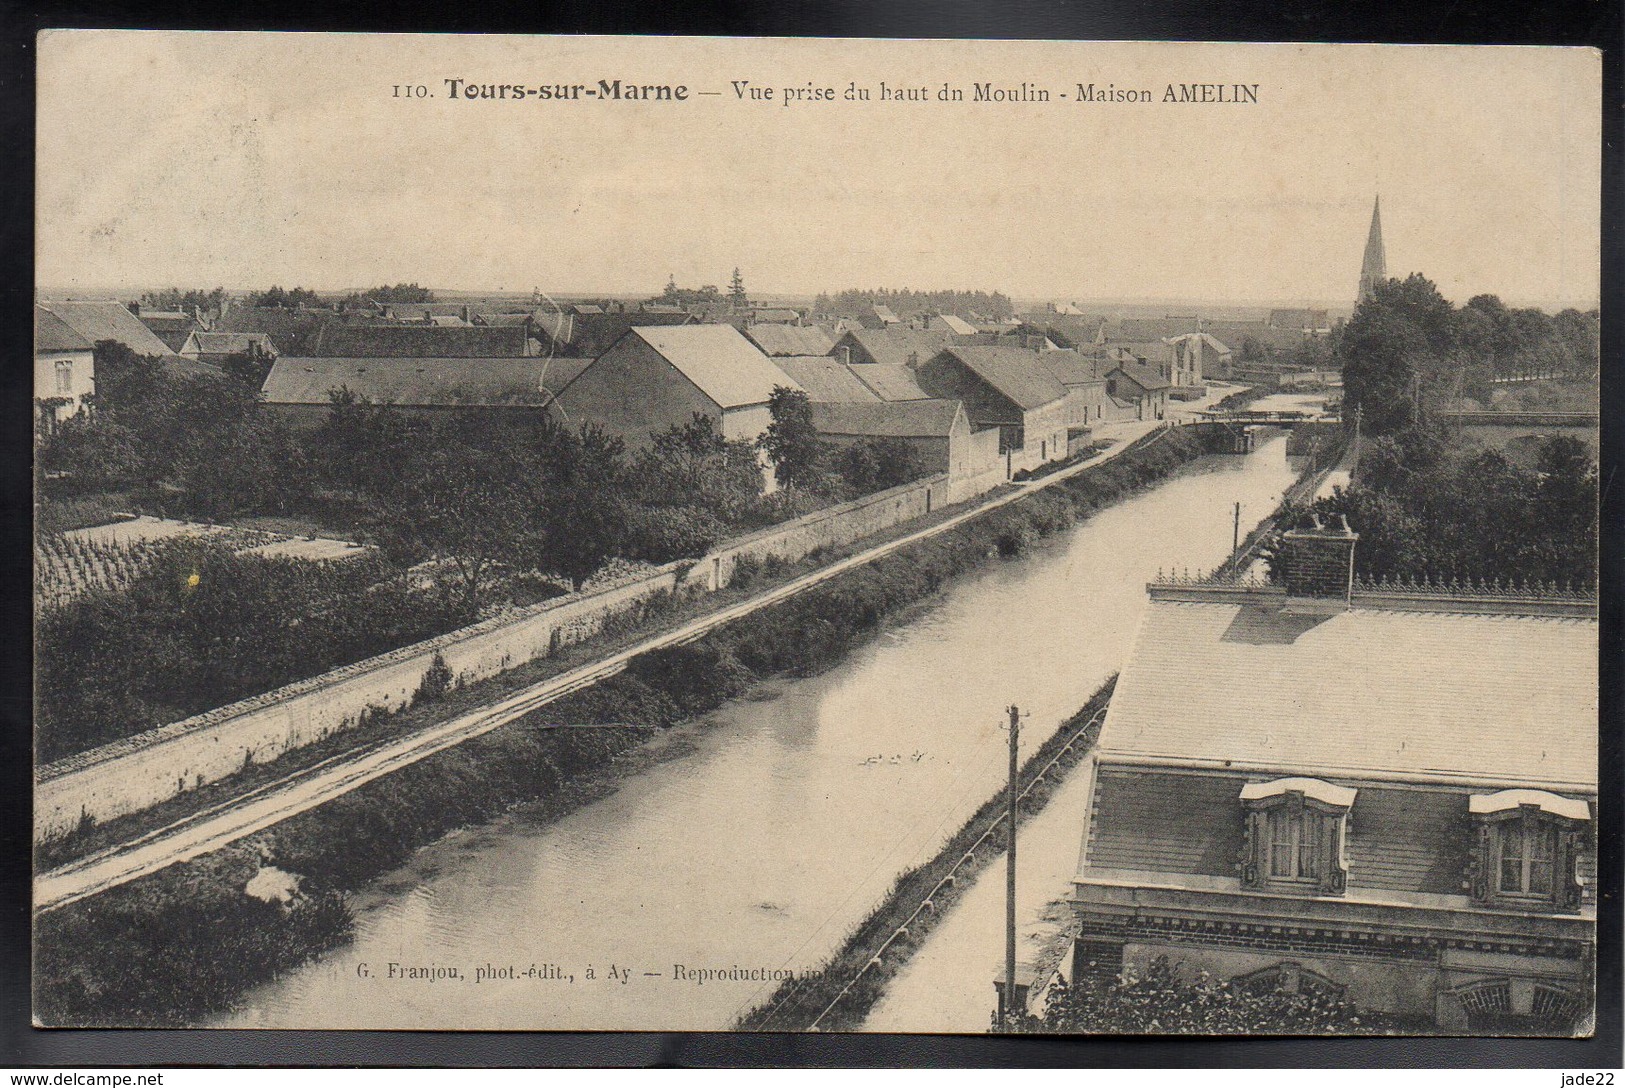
{"x": 787, "y": 821}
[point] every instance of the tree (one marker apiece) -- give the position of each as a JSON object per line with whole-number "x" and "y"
{"x": 791, "y": 441}
{"x": 359, "y": 446}
{"x": 736, "y": 292}
{"x": 688, "y": 296}
{"x": 1167, "y": 1001}
{"x": 692, "y": 464}
{"x": 875, "y": 464}
{"x": 401, "y": 292}
{"x": 461, "y": 505}
{"x": 1393, "y": 352}
{"x": 251, "y": 367}
{"x": 586, "y": 507}
{"x": 288, "y": 300}
{"x": 1424, "y": 507}
{"x": 187, "y": 301}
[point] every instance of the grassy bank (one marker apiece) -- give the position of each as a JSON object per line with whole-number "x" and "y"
{"x": 183, "y": 942}
{"x": 840, "y": 996}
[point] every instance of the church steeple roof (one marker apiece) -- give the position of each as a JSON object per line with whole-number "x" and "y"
{"x": 1374, "y": 269}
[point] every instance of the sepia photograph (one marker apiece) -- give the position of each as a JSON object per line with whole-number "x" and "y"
{"x": 701, "y": 534}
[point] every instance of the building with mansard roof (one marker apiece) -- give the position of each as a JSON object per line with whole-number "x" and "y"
{"x": 1384, "y": 792}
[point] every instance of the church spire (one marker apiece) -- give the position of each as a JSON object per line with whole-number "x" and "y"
{"x": 1374, "y": 269}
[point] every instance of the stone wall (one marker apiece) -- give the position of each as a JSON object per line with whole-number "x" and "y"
{"x": 137, "y": 772}
{"x": 140, "y": 771}
{"x": 832, "y": 527}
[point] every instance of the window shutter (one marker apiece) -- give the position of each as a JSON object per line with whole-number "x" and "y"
{"x": 1254, "y": 848}
{"x": 1333, "y": 879}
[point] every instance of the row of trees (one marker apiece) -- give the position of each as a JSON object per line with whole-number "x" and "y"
{"x": 1408, "y": 351}
{"x": 479, "y": 493}
{"x": 188, "y": 301}
{"x": 198, "y": 447}
{"x": 290, "y": 299}
{"x": 707, "y": 296}
{"x": 1427, "y": 506}
{"x": 401, "y": 292}
{"x": 995, "y": 306}
{"x": 1427, "y": 503}
{"x": 482, "y": 496}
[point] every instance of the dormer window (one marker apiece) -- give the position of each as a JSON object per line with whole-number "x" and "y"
{"x": 1528, "y": 844}
{"x": 1294, "y": 836}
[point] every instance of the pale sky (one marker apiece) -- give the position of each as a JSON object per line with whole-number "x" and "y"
{"x": 204, "y": 159}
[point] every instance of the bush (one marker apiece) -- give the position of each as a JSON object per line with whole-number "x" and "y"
{"x": 201, "y": 627}
{"x": 436, "y": 682}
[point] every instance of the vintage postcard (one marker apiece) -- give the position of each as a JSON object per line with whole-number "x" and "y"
{"x": 592, "y": 533}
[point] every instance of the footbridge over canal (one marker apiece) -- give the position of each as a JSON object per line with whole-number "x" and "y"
{"x": 1310, "y": 432}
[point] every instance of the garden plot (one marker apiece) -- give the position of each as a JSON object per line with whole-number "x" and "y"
{"x": 109, "y": 557}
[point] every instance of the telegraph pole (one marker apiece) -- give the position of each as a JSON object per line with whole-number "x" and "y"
{"x": 1235, "y": 542}
{"x": 1010, "y": 874}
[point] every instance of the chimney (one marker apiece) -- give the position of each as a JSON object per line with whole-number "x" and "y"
{"x": 1317, "y": 562}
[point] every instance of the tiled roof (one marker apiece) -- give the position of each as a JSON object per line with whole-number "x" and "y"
{"x": 790, "y": 339}
{"x": 1142, "y": 329}
{"x": 97, "y": 321}
{"x": 162, "y": 321}
{"x": 1014, "y": 372}
{"x": 1073, "y": 368}
{"x": 1371, "y": 693}
{"x": 51, "y": 333}
{"x": 1298, "y": 320}
{"x": 1233, "y": 333}
{"x": 957, "y": 325}
{"x": 559, "y": 371}
{"x": 908, "y": 419}
{"x": 591, "y": 334}
{"x": 421, "y": 311}
{"x": 227, "y": 343}
{"x": 774, "y": 315}
{"x": 1156, "y": 351}
{"x": 825, "y": 379}
{"x": 718, "y": 360}
{"x": 481, "y": 381}
{"x": 292, "y": 331}
{"x": 1207, "y": 338}
{"x": 418, "y": 342}
{"x": 890, "y": 382}
{"x": 503, "y": 319}
{"x": 1145, "y": 377}
{"x": 1068, "y": 330}
{"x": 897, "y": 347}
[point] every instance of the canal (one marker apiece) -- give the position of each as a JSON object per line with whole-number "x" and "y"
{"x": 782, "y": 818}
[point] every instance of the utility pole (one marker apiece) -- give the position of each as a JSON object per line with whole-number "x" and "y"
{"x": 1235, "y": 543}
{"x": 1010, "y": 874}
